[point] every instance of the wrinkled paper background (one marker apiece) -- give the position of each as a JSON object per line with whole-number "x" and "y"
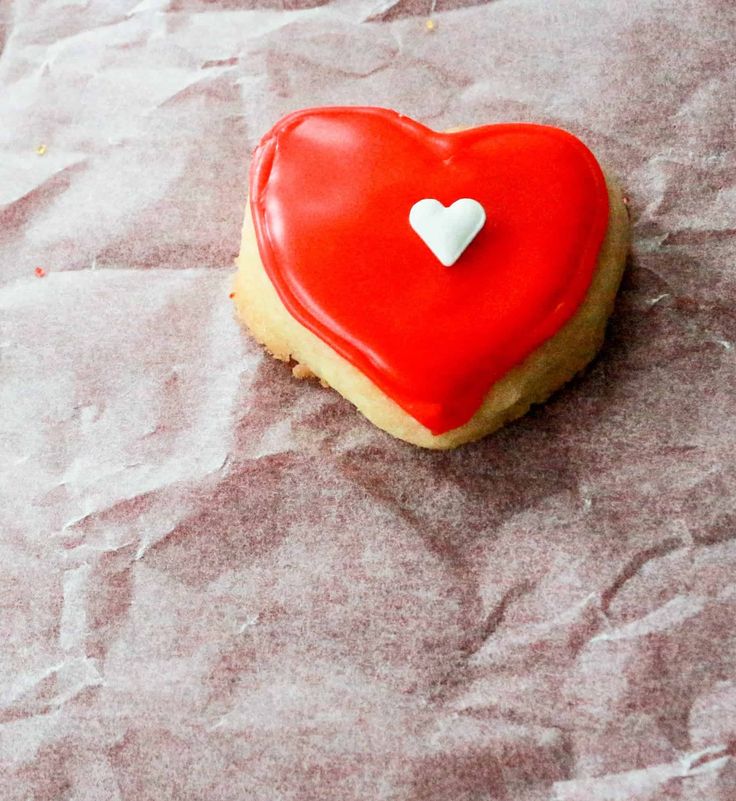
{"x": 218, "y": 583}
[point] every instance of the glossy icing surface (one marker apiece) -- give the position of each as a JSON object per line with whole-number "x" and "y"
{"x": 331, "y": 190}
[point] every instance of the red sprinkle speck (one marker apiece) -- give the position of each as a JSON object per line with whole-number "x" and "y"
{"x": 231, "y": 295}
{"x": 40, "y": 272}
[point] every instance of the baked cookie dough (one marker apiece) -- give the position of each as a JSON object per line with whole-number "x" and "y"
{"x": 441, "y": 282}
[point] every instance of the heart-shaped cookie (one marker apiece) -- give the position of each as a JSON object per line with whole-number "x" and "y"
{"x": 338, "y": 196}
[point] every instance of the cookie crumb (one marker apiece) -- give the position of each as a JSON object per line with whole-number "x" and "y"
{"x": 41, "y": 150}
{"x": 430, "y": 25}
{"x": 301, "y": 371}
{"x": 324, "y": 383}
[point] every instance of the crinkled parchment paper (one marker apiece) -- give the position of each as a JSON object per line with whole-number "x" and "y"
{"x": 218, "y": 583}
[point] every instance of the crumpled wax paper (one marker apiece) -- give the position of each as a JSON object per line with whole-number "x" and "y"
{"x": 218, "y": 583}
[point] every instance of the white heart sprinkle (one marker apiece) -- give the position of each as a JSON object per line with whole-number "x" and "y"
{"x": 447, "y": 230}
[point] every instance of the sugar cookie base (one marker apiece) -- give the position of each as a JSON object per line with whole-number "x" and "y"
{"x": 532, "y": 381}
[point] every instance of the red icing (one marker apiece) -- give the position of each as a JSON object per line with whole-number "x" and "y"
{"x": 331, "y": 191}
